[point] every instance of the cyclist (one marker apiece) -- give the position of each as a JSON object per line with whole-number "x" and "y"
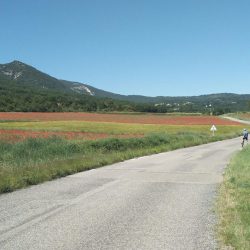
{"x": 245, "y": 137}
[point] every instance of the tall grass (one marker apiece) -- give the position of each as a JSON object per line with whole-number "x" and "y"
{"x": 234, "y": 203}
{"x": 36, "y": 160}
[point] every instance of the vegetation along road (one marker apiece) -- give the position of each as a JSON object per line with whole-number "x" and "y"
{"x": 163, "y": 201}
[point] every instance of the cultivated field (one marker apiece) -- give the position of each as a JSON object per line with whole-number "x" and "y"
{"x": 89, "y": 126}
{"x": 119, "y": 118}
{"x": 36, "y": 147}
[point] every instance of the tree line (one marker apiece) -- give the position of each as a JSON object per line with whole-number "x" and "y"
{"x": 16, "y": 97}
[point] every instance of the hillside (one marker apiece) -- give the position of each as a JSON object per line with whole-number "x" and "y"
{"x": 24, "y": 88}
{"x": 21, "y": 81}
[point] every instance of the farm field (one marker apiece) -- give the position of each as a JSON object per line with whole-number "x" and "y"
{"x": 117, "y": 118}
{"x": 89, "y": 126}
{"x": 37, "y": 147}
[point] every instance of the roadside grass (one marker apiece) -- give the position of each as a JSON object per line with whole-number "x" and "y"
{"x": 233, "y": 205}
{"x": 33, "y": 161}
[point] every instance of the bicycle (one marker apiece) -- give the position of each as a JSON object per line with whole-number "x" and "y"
{"x": 243, "y": 141}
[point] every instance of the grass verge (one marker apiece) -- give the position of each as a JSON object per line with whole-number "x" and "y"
{"x": 233, "y": 205}
{"x": 37, "y": 160}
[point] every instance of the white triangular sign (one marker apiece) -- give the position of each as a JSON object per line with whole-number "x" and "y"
{"x": 213, "y": 128}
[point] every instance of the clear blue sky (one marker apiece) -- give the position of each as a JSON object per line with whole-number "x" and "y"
{"x": 147, "y": 47}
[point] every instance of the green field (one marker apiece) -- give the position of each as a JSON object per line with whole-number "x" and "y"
{"x": 118, "y": 128}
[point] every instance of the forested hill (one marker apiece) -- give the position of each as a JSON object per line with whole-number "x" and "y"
{"x": 24, "y": 88}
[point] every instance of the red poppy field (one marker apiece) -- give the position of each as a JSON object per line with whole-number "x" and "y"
{"x": 93, "y": 126}
{"x": 119, "y": 118}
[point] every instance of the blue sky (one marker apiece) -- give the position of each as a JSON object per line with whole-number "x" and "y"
{"x": 147, "y": 47}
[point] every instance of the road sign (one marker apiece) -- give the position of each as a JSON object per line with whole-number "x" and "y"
{"x": 213, "y": 128}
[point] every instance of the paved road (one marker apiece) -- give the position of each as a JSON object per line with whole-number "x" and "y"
{"x": 163, "y": 201}
{"x": 236, "y": 120}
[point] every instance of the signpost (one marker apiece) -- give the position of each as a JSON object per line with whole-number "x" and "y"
{"x": 213, "y": 128}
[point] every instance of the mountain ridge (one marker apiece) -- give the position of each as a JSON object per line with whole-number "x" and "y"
{"x": 29, "y": 77}
{"x": 104, "y": 93}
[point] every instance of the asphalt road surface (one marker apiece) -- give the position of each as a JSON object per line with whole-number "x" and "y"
{"x": 163, "y": 201}
{"x": 236, "y": 120}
